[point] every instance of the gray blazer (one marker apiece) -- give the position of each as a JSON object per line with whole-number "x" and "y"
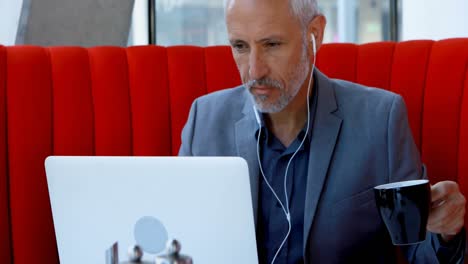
{"x": 361, "y": 138}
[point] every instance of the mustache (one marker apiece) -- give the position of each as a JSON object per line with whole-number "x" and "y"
{"x": 264, "y": 82}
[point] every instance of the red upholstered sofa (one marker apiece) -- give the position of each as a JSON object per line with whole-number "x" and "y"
{"x": 134, "y": 101}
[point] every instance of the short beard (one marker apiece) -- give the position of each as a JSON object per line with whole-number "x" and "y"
{"x": 298, "y": 76}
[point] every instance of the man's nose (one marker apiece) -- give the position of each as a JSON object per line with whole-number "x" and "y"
{"x": 257, "y": 66}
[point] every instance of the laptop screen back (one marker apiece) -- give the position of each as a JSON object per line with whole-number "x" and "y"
{"x": 204, "y": 202}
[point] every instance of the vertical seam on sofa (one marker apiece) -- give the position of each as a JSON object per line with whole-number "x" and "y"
{"x": 461, "y": 101}
{"x": 356, "y": 61}
{"x": 130, "y": 106}
{"x": 52, "y": 116}
{"x": 205, "y": 71}
{"x": 93, "y": 106}
{"x": 391, "y": 67}
{"x": 7, "y": 164}
{"x": 423, "y": 99}
{"x": 169, "y": 94}
{"x": 169, "y": 105}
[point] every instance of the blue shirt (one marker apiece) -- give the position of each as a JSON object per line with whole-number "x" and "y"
{"x": 272, "y": 225}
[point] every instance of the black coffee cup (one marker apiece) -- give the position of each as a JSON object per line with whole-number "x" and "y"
{"x": 404, "y": 208}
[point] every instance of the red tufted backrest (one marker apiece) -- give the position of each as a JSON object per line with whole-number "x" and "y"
{"x": 135, "y": 101}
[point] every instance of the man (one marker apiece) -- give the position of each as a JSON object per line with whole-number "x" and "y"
{"x": 321, "y": 143}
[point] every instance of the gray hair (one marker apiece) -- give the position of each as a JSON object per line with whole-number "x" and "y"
{"x": 304, "y": 10}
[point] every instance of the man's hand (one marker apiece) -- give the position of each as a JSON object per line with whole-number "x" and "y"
{"x": 447, "y": 215}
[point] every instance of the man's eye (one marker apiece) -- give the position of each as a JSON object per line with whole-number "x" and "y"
{"x": 239, "y": 47}
{"x": 273, "y": 44}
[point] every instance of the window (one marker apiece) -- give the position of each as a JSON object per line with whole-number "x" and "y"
{"x": 357, "y": 21}
{"x": 201, "y": 22}
{"x": 10, "y": 12}
{"x": 190, "y": 22}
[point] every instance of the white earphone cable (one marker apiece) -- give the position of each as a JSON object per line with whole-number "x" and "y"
{"x": 286, "y": 208}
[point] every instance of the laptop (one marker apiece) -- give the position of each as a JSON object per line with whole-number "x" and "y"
{"x": 203, "y": 202}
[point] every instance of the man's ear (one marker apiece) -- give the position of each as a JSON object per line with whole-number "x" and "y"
{"x": 316, "y": 29}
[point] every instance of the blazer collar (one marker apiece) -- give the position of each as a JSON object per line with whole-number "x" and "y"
{"x": 325, "y": 134}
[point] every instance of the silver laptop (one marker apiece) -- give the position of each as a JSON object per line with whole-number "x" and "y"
{"x": 203, "y": 202}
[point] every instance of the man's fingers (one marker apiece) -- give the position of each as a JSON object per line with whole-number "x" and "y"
{"x": 443, "y": 212}
{"x": 441, "y": 190}
{"x": 452, "y": 226}
{"x": 448, "y": 210}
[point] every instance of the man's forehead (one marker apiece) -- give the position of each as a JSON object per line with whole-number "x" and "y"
{"x": 254, "y": 4}
{"x": 258, "y": 32}
{"x": 257, "y": 11}
{"x": 258, "y": 19}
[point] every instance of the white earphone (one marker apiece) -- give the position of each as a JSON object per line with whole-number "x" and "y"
{"x": 314, "y": 47}
{"x": 257, "y": 117}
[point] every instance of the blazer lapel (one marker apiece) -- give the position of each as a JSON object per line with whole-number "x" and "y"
{"x": 247, "y": 148}
{"x": 325, "y": 134}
